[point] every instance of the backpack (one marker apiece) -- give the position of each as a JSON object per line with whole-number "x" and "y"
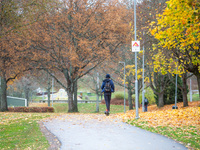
{"x": 146, "y": 101}
{"x": 107, "y": 87}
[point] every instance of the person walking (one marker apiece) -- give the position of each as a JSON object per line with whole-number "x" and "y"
{"x": 107, "y": 88}
{"x": 146, "y": 102}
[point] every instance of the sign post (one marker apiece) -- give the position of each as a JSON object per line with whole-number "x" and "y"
{"x": 136, "y": 47}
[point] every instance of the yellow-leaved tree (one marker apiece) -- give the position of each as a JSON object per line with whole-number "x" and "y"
{"x": 178, "y": 32}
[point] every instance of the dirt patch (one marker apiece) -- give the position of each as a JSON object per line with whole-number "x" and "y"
{"x": 116, "y": 101}
{"x": 54, "y": 142}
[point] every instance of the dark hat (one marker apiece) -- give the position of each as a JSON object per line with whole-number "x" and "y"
{"x": 107, "y": 76}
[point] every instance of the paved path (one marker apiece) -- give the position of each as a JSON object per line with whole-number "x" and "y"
{"x": 98, "y": 132}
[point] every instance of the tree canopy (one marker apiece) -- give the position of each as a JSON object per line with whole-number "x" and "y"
{"x": 178, "y": 32}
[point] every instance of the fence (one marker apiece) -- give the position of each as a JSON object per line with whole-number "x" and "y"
{"x": 65, "y": 101}
{"x": 15, "y": 101}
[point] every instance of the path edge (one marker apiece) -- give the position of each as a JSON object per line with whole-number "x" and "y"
{"x": 54, "y": 142}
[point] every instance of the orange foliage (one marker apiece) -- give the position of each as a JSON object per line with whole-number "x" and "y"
{"x": 166, "y": 116}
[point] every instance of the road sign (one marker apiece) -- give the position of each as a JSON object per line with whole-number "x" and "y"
{"x": 135, "y": 46}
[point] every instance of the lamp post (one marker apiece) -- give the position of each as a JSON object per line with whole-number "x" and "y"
{"x": 190, "y": 89}
{"x": 136, "y": 81}
{"x": 175, "y": 107}
{"x": 124, "y": 87}
{"x": 176, "y": 93}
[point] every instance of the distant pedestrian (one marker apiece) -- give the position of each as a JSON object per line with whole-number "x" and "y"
{"x": 107, "y": 88}
{"x": 146, "y": 102}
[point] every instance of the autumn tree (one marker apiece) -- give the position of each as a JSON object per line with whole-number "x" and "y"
{"x": 15, "y": 15}
{"x": 77, "y": 37}
{"x": 178, "y": 33}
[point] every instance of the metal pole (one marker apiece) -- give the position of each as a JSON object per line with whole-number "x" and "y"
{"x": 190, "y": 89}
{"x": 143, "y": 92}
{"x": 136, "y": 81}
{"x": 176, "y": 92}
{"x": 52, "y": 91}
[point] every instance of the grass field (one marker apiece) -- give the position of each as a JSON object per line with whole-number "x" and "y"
{"x": 182, "y": 124}
{"x": 89, "y": 108}
{"x": 195, "y": 97}
{"x": 21, "y": 130}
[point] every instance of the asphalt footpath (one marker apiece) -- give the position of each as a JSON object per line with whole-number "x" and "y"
{"x": 99, "y": 132}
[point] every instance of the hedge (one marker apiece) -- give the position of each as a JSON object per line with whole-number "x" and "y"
{"x": 31, "y": 109}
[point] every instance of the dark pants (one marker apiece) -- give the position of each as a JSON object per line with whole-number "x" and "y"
{"x": 107, "y": 97}
{"x": 145, "y": 107}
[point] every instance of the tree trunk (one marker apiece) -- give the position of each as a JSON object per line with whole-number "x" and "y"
{"x": 49, "y": 90}
{"x": 49, "y": 95}
{"x": 160, "y": 99}
{"x": 70, "y": 101}
{"x": 97, "y": 102}
{"x": 4, "y": 106}
{"x": 97, "y": 93}
{"x": 138, "y": 93}
{"x": 184, "y": 90}
{"x": 0, "y": 94}
{"x": 130, "y": 103}
{"x": 75, "y": 107}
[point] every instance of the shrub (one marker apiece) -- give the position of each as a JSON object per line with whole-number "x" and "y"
{"x": 120, "y": 95}
{"x": 149, "y": 95}
{"x": 31, "y": 109}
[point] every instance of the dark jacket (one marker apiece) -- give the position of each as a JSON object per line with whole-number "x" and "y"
{"x": 111, "y": 83}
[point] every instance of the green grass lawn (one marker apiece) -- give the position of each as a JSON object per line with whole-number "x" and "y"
{"x": 187, "y": 135}
{"x": 89, "y": 108}
{"x": 195, "y": 97}
{"x": 21, "y": 131}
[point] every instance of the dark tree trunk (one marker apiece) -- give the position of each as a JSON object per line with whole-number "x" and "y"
{"x": 75, "y": 107}
{"x": 70, "y": 101}
{"x": 184, "y": 90}
{"x": 4, "y": 106}
{"x": 160, "y": 99}
{"x": 49, "y": 95}
{"x": 0, "y": 94}
{"x": 130, "y": 102}
{"x": 97, "y": 102}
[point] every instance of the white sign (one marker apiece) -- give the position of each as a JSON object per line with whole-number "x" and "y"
{"x": 135, "y": 46}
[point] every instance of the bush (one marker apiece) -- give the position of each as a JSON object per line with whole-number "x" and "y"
{"x": 31, "y": 109}
{"x": 120, "y": 95}
{"x": 149, "y": 95}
